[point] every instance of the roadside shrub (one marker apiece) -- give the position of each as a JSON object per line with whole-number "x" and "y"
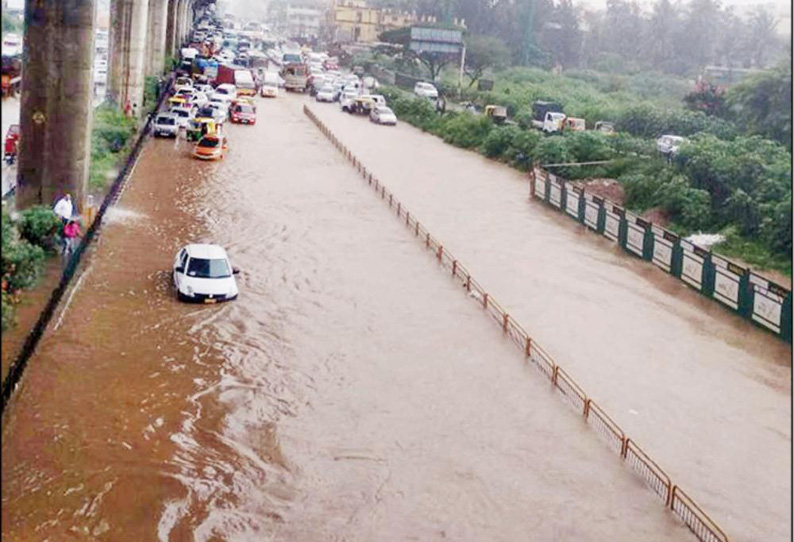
{"x": 38, "y": 225}
{"x": 467, "y": 131}
{"x": 522, "y": 149}
{"x": 554, "y": 150}
{"x": 588, "y": 146}
{"x": 22, "y": 265}
{"x": 499, "y": 141}
{"x": 8, "y": 312}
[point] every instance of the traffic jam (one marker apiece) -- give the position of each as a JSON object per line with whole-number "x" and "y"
{"x": 219, "y": 78}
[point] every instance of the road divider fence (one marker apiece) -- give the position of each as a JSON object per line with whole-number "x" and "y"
{"x": 640, "y": 463}
{"x": 743, "y": 291}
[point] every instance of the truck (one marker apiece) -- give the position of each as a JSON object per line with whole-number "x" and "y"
{"x": 296, "y": 76}
{"x": 244, "y": 82}
{"x": 548, "y": 116}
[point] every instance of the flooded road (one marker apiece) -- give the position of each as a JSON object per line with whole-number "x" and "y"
{"x": 704, "y": 392}
{"x": 352, "y": 392}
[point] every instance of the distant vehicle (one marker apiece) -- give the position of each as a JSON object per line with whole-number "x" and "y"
{"x": 165, "y": 125}
{"x": 226, "y": 90}
{"x": 669, "y": 145}
{"x": 243, "y": 113}
{"x": 331, "y": 64}
{"x": 183, "y": 116}
{"x": 383, "y": 115}
{"x": 575, "y": 124}
{"x": 203, "y": 273}
{"x": 326, "y": 94}
{"x": 269, "y": 90}
{"x": 362, "y": 105}
{"x": 182, "y": 82}
{"x": 547, "y": 116}
{"x": 291, "y": 58}
{"x": 244, "y": 83}
{"x": 497, "y": 113}
{"x": 295, "y": 77}
{"x": 426, "y": 90}
{"x": 347, "y": 99}
{"x": 213, "y": 111}
{"x": 210, "y": 147}
{"x": 605, "y": 127}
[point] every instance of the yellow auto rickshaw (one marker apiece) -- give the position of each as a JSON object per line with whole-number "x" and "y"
{"x": 176, "y": 101}
{"x": 201, "y": 126}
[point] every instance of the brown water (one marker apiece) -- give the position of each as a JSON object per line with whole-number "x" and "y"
{"x": 352, "y": 392}
{"x": 707, "y": 394}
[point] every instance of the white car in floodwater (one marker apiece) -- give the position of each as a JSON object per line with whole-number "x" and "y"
{"x": 204, "y": 274}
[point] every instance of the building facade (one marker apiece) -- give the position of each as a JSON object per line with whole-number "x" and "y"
{"x": 303, "y": 22}
{"x": 354, "y": 21}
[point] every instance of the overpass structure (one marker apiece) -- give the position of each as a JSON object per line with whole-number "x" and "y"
{"x": 57, "y": 85}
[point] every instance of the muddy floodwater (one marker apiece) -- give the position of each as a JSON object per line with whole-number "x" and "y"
{"x": 352, "y": 392}
{"x": 706, "y": 393}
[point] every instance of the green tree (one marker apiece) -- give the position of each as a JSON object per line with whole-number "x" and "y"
{"x": 761, "y": 104}
{"x": 483, "y": 52}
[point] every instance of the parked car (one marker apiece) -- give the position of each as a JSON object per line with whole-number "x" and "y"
{"x": 605, "y": 127}
{"x": 243, "y": 113}
{"x": 165, "y": 125}
{"x": 383, "y": 115}
{"x": 668, "y": 145}
{"x": 210, "y": 147}
{"x": 426, "y": 90}
{"x": 212, "y": 111}
{"x": 203, "y": 273}
{"x": 326, "y": 94}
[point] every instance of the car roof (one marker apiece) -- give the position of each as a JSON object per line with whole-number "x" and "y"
{"x": 205, "y": 251}
{"x": 168, "y": 115}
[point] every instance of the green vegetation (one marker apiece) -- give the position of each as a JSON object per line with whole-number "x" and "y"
{"x": 25, "y": 246}
{"x": 111, "y": 133}
{"x": 739, "y": 186}
{"x": 12, "y": 25}
{"x": 150, "y": 94}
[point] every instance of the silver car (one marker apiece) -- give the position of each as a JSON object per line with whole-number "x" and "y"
{"x": 165, "y": 125}
{"x": 668, "y": 145}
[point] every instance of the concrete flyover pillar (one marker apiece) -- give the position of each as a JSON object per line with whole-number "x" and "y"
{"x": 170, "y": 29}
{"x": 57, "y": 95}
{"x": 133, "y": 77}
{"x": 119, "y": 48}
{"x": 180, "y": 20}
{"x": 158, "y": 18}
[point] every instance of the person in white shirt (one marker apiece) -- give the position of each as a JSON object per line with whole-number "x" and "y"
{"x": 64, "y": 208}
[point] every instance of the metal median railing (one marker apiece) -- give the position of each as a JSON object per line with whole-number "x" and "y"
{"x": 653, "y": 475}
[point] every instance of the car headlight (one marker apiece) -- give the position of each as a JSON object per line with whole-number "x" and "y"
{"x": 189, "y": 290}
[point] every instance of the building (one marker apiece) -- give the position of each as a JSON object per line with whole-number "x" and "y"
{"x": 303, "y": 22}
{"x": 355, "y": 21}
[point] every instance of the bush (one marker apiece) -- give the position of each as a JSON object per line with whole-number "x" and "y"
{"x": 38, "y": 225}
{"x": 467, "y": 131}
{"x": 499, "y": 141}
{"x": 22, "y": 265}
{"x": 8, "y": 316}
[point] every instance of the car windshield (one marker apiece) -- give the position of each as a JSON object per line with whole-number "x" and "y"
{"x": 385, "y": 111}
{"x": 167, "y": 121}
{"x": 209, "y": 142}
{"x": 208, "y": 269}
{"x": 181, "y": 112}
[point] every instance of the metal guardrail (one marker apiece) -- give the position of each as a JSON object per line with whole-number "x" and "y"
{"x": 659, "y": 482}
{"x": 18, "y": 367}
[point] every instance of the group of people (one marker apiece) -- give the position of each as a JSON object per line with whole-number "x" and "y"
{"x": 64, "y": 208}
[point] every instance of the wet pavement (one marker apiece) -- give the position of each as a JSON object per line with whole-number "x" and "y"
{"x": 352, "y": 392}
{"x": 704, "y": 392}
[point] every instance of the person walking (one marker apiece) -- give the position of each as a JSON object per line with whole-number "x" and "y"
{"x": 64, "y": 208}
{"x": 70, "y": 233}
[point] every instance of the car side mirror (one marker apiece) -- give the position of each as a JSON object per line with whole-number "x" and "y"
{"x": 180, "y": 269}
{"x": 235, "y": 270}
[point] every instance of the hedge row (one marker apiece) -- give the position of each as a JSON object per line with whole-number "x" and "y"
{"x": 26, "y": 243}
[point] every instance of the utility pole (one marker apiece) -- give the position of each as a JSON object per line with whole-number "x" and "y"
{"x": 462, "y": 64}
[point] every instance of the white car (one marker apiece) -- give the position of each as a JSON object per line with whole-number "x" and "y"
{"x": 198, "y": 99}
{"x": 165, "y": 124}
{"x": 269, "y": 90}
{"x": 204, "y": 274}
{"x": 219, "y": 97}
{"x": 205, "y": 88}
{"x": 227, "y": 89}
{"x": 347, "y": 98}
{"x": 383, "y": 115}
{"x": 326, "y": 94}
{"x": 183, "y": 116}
{"x": 668, "y": 145}
{"x": 426, "y": 90}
